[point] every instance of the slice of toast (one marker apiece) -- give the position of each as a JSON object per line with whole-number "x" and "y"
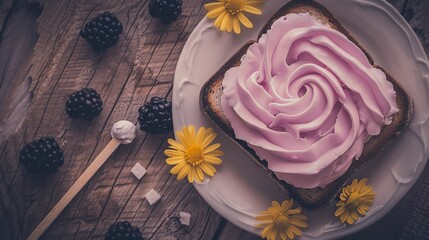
{"x": 210, "y": 103}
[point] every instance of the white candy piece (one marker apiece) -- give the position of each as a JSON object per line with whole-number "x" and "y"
{"x": 124, "y": 131}
{"x": 185, "y": 218}
{"x": 152, "y": 196}
{"x": 138, "y": 170}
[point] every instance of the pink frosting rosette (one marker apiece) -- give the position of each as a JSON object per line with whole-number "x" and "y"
{"x": 306, "y": 99}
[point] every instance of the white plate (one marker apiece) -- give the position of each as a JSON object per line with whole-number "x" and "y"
{"x": 240, "y": 190}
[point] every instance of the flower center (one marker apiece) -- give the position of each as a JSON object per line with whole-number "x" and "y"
{"x": 233, "y": 7}
{"x": 354, "y": 200}
{"x": 281, "y": 220}
{"x": 194, "y": 156}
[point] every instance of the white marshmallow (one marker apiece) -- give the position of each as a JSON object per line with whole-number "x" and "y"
{"x": 124, "y": 131}
{"x": 152, "y": 196}
{"x": 138, "y": 170}
{"x": 185, "y": 218}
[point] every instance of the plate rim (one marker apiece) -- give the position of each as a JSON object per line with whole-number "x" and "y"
{"x": 395, "y": 16}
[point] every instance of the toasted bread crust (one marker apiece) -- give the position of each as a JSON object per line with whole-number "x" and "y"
{"x": 210, "y": 102}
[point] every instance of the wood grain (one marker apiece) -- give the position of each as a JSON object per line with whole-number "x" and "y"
{"x": 43, "y": 60}
{"x": 140, "y": 66}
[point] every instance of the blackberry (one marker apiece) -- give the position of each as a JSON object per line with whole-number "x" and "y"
{"x": 167, "y": 10}
{"x": 43, "y": 155}
{"x": 85, "y": 104}
{"x": 102, "y": 32}
{"x": 123, "y": 231}
{"x": 155, "y": 116}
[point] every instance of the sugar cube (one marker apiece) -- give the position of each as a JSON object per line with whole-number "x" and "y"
{"x": 185, "y": 218}
{"x": 138, "y": 170}
{"x": 152, "y": 196}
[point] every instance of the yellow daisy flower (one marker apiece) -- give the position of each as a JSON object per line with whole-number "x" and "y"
{"x": 192, "y": 155}
{"x": 229, "y": 13}
{"x": 282, "y": 221}
{"x": 355, "y": 200}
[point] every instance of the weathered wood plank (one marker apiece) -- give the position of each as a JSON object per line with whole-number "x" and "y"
{"x": 21, "y": 36}
{"x": 6, "y": 9}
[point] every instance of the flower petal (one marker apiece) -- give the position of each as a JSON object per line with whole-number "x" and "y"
{"x": 367, "y": 202}
{"x": 176, "y": 169}
{"x": 361, "y": 185}
{"x": 189, "y": 133}
{"x": 287, "y": 204}
{"x": 273, "y": 210}
{"x": 225, "y": 22}
{"x": 174, "y": 160}
{"x": 344, "y": 216}
{"x": 208, "y": 169}
{"x": 173, "y": 153}
{"x": 339, "y": 211}
{"x": 350, "y": 220}
{"x": 210, "y": 136}
{"x": 212, "y": 160}
{"x": 191, "y": 175}
{"x": 354, "y": 185}
{"x": 264, "y": 218}
{"x": 244, "y": 20}
{"x": 209, "y": 131}
{"x": 219, "y": 20}
{"x": 214, "y": 5}
{"x": 295, "y": 230}
{"x": 183, "y": 172}
{"x": 274, "y": 235}
{"x": 298, "y": 223}
{"x": 266, "y": 231}
{"x": 263, "y": 224}
{"x": 215, "y": 13}
{"x": 354, "y": 215}
{"x": 367, "y": 191}
{"x": 293, "y": 211}
{"x": 265, "y": 212}
{"x": 200, "y": 173}
{"x": 251, "y": 9}
{"x": 363, "y": 207}
{"x": 348, "y": 190}
{"x": 283, "y": 235}
{"x": 198, "y": 179}
{"x": 236, "y": 25}
{"x": 289, "y": 233}
{"x": 299, "y": 217}
{"x": 215, "y": 153}
{"x": 175, "y": 145}
{"x": 276, "y": 205}
{"x": 200, "y": 136}
{"x": 211, "y": 148}
{"x": 361, "y": 210}
{"x": 183, "y": 139}
{"x": 230, "y": 24}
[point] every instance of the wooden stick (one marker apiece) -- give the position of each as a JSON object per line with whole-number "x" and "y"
{"x": 77, "y": 186}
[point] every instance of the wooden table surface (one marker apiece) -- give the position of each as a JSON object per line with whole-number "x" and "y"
{"x": 43, "y": 60}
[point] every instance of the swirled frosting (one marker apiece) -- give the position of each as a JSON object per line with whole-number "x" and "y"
{"x": 124, "y": 131}
{"x": 306, "y": 99}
